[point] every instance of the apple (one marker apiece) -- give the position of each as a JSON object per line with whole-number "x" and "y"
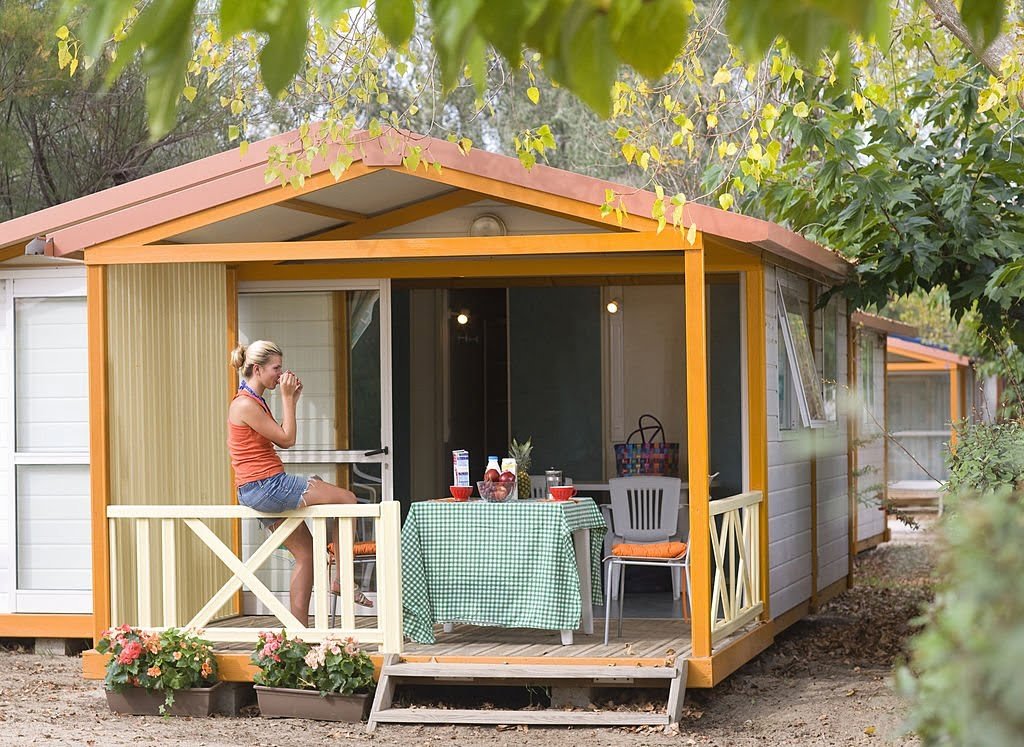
{"x": 500, "y": 492}
{"x": 507, "y": 477}
{"x": 491, "y": 475}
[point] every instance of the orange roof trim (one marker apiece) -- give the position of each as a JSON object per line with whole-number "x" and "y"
{"x": 925, "y": 353}
{"x": 156, "y": 199}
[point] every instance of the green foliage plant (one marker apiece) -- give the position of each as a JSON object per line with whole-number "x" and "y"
{"x": 336, "y": 665}
{"x": 171, "y": 660}
{"x": 963, "y": 677}
{"x": 987, "y": 457}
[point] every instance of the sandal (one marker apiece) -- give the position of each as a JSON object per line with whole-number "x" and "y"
{"x": 358, "y": 596}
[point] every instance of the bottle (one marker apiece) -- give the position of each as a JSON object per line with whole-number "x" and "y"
{"x": 492, "y": 464}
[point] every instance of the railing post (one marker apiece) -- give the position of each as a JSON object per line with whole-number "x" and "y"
{"x": 170, "y": 580}
{"x": 142, "y": 569}
{"x": 389, "y": 577}
{"x": 321, "y": 589}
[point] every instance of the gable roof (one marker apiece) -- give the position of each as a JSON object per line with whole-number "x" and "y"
{"x": 218, "y": 180}
{"x": 924, "y": 352}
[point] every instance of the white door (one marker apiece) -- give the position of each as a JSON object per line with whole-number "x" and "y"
{"x": 336, "y": 337}
{"x": 44, "y": 412}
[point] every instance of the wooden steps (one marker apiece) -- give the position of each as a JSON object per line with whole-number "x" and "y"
{"x": 395, "y": 671}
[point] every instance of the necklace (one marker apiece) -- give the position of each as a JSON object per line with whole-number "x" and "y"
{"x": 244, "y": 386}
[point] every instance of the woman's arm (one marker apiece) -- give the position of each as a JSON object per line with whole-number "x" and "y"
{"x": 281, "y": 434}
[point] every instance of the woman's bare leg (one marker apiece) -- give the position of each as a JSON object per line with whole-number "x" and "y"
{"x": 320, "y": 493}
{"x": 300, "y": 545}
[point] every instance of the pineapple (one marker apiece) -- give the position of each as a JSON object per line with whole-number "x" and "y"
{"x": 522, "y": 453}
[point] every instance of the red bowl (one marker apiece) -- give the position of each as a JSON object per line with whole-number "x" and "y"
{"x": 562, "y": 492}
{"x": 461, "y": 492}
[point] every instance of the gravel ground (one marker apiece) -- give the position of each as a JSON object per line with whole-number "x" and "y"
{"x": 823, "y": 682}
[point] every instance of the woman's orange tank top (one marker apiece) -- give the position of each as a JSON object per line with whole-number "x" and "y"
{"x": 252, "y": 455}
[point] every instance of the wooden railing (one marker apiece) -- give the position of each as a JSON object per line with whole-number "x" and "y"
{"x": 387, "y": 633}
{"x": 736, "y": 563}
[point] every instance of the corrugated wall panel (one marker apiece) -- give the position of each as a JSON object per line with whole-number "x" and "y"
{"x": 166, "y": 356}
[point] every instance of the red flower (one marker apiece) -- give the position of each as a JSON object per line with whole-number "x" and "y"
{"x": 131, "y": 651}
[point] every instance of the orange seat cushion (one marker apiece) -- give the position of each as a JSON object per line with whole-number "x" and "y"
{"x": 364, "y": 548}
{"x": 358, "y": 548}
{"x": 664, "y": 550}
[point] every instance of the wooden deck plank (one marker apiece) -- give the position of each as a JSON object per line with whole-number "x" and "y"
{"x": 549, "y": 716}
{"x": 646, "y": 636}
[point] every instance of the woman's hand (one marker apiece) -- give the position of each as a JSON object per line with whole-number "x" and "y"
{"x": 291, "y": 387}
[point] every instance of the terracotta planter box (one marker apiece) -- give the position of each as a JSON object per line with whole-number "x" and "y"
{"x": 137, "y": 701}
{"x": 280, "y": 702}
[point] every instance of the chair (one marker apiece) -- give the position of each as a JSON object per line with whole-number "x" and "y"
{"x": 645, "y": 517}
{"x": 364, "y": 554}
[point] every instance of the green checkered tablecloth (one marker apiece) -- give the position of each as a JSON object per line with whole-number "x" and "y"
{"x": 509, "y": 564}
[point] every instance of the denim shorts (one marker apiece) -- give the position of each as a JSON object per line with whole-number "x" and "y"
{"x": 274, "y": 494}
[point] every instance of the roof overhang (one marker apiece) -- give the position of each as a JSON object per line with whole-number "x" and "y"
{"x": 882, "y": 324}
{"x": 217, "y": 183}
{"x": 925, "y": 353}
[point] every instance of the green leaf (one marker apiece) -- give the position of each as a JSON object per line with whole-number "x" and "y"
{"x": 533, "y": 93}
{"x": 330, "y": 10}
{"x": 649, "y": 35}
{"x": 283, "y": 53}
{"x": 504, "y": 25}
{"x": 591, "y": 70}
{"x": 397, "y": 19}
{"x": 165, "y": 28}
{"x": 99, "y": 23}
{"x": 983, "y": 18}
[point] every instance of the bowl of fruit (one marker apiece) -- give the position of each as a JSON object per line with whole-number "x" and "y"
{"x": 501, "y": 488}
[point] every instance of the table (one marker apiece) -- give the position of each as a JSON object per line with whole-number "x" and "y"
{"x": 517, "y": 564}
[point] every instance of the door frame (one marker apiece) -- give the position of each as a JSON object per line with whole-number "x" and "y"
{"x": 386, "y": 461}
{"x": 43, "y": 284}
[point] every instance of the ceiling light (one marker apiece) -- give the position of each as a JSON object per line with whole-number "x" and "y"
{"x": 613, "y": 306}
{"x": 487, "y": 225}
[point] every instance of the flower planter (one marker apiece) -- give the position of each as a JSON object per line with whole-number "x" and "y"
{"x": 280, "y": 702}
{"x": 137, "y": 701}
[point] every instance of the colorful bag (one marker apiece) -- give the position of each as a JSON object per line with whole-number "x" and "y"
{"x": 647, "y": 457}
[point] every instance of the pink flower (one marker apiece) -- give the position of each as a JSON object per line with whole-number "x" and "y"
{"x": 206, "y": 668}
{"x": 177, "y": 655}
{"x": 131, "y": 651}
{"x": 153, "y": 671}
{"x": 351, "y": 648}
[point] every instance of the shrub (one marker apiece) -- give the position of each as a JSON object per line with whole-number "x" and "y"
{"x": 987, "y": 456}
{"x": 334, "y": 666}
{"x": 171, "y": 660}
{"x": 964, "y": 671}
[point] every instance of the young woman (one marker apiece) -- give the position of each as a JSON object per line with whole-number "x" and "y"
{"x": 260, "y": 478}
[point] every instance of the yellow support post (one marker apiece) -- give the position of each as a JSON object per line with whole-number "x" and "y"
{"x": 697, "y": 451}
{"x": 99, "y": 466}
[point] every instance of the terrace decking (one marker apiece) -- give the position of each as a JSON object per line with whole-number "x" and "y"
{"x": 643, "y": 641}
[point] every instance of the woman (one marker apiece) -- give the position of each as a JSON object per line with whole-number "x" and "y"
{"x": 260, "y": 478}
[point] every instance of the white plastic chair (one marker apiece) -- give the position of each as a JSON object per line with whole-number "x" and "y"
{"x": 644, "y": 511}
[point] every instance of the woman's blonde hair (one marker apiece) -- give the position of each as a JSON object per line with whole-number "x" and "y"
{"x": 257, "y": 353}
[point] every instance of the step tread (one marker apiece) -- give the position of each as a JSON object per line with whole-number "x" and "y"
{"x": 549, "y": 716}
{"x": 527, "y": 671}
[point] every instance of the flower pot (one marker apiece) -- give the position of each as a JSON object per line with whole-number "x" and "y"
{"x": 137, "y": 701}
{"x": 281, "y": 702}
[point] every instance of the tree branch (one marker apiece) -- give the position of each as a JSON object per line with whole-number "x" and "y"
{"x": 991, "y": 56}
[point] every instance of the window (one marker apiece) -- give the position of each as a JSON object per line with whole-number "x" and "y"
{"x": 804, "y": 371}
{"x": 786, "y": 420}
{"x": 867, "y": 376}
{"x": 830, "y": 357}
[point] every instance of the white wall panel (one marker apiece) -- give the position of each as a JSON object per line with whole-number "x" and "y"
{"x": 790, "y": 453}
{"x": 6, "y": 446}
